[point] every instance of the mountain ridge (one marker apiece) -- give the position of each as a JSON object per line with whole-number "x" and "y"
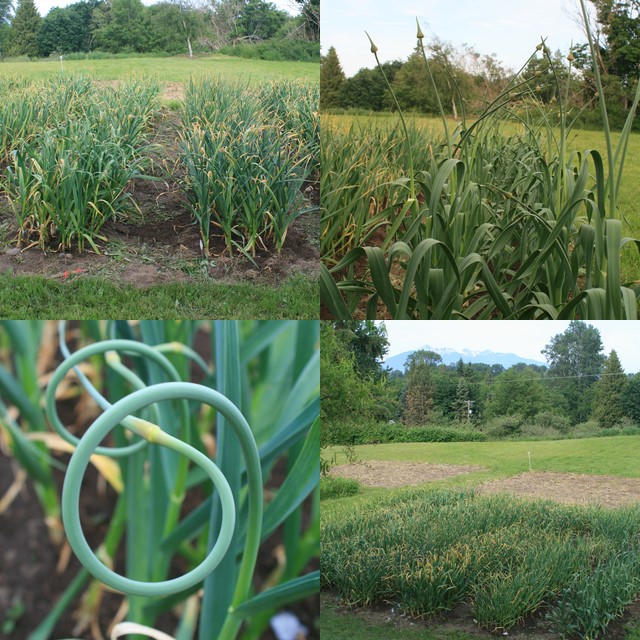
{"x": 451, "y": 356}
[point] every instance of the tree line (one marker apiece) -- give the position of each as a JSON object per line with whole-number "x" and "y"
{"x": 464, "y": 78}
{"x": 253, "y": 28}
{"x": 580, "y": 389}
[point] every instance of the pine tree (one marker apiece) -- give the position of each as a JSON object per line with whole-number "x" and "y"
{"x": 608, "y": 407}
{"x": 331, "y": 79}
{"x": 462, "y": 403}
{"x": 23, "y": 38}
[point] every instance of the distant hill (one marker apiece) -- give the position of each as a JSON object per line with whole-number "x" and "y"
{"x": 451, "y": 356}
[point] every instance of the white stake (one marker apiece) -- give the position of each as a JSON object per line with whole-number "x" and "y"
{"x": 529, "y": 460}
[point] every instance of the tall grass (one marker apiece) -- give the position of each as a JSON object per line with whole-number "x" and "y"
{"x": 247, "y": 153}
{"x": 478, "y": 224}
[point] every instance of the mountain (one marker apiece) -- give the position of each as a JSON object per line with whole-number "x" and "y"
{"x": 451, "y": 356}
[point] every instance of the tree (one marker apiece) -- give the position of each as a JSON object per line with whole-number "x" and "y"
{"x": 173, "y": 26}
{"x": 620, "y": 22}
{"x": 67, "y": 30}
{"x": 310, "y": 12}
{"x": 575, "y": 358}
{"x": 367, "y": 341}
{"x": 6, "y": 11}
{"x": 121, "y": 26}
{"x": 518, "y": 391}
{"x": 420, "y": 388}
{"x": 23, "y": 37}
{"x": 259, "y": 20}
{"x": 462, "y": 404}
{"x": 345, "y": 397}
{"x": 631, "y": 398}
{"x": 608, "y": 407}
{"x": 223, "y": 17}
{"x": 331, "y": 79}
{"x": 367, "y": 89}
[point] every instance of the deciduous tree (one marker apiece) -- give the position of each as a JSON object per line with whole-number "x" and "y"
{"x": 575, "y": 357}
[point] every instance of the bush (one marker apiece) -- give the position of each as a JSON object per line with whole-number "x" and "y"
{"x": 550, "y": 420}
{"x": 333, "y": 487}
{"x": 503, "y": 426}
{"x": 277, "y": 50}
{"x": 376, "y": 433}
{"x": 538, "y": 431}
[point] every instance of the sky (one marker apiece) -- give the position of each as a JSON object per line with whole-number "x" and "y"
{"x": 511, "y": 30}
{"x": 525, "y": 338}
{"x": 45, "y": 5}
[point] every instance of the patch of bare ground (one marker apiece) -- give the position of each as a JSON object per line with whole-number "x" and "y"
{"x": 459, "y": 620}
{"x": 389, "y": 474}
{"x": 569, "y": 488}
{"x": 161, "y": 245}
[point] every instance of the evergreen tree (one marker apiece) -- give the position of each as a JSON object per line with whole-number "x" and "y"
{"x": 331, "y": 79}
{"x": 6, "y": 9}
{"x": 420, "y": 387}
{"x": 608, "y": 408}
{"x": 462, "y": 404}
{"x": 23, "y": 37}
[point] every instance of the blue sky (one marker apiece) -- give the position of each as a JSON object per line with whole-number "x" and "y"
{"x": 522, "y": 337}
{"x": 509, "y": 29}
{"x": 45, "y": 5}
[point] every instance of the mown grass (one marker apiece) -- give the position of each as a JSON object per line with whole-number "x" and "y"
{"x": 36, "y": 297}
{"x": 615, "y": 456}
{"x": 338, "y": 626}
{"x": 175, "y": 69}
{"x": 579, "y": 140}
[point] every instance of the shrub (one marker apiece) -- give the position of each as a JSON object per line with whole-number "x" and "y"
{"x": 550, "y": 420}
{"x": 277, "y": 50}
{"x": 333, "y": 487}
{"x": 376, "y": 433}
{"x": 538, "y": 431}
{"x": 503, "y": 426}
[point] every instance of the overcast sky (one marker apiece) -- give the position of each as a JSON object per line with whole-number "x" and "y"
{"x": 511, "y": 30}
{"x": 45, "y": 5}
{"x": 525, "y": 338}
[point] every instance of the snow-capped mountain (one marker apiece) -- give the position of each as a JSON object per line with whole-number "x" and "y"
{"x": 451, "y": 356}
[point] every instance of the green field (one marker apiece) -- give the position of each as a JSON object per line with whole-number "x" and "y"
{"x": 174, "y": 69}
{"x": 427, "y": 549}
{"x": 615, "y": 456}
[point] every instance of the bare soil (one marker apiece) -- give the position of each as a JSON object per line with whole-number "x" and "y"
{"x": 569, "y": 488}
{"x": 162, "y": 244}
{"x": 389, "y": 474}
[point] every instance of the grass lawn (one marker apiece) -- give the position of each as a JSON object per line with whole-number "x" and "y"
{"x": 629, "y": 200}
{"x": 174, "y": 69}
{"x": 42, "y": 298}
{"x": 616, "y": 455}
